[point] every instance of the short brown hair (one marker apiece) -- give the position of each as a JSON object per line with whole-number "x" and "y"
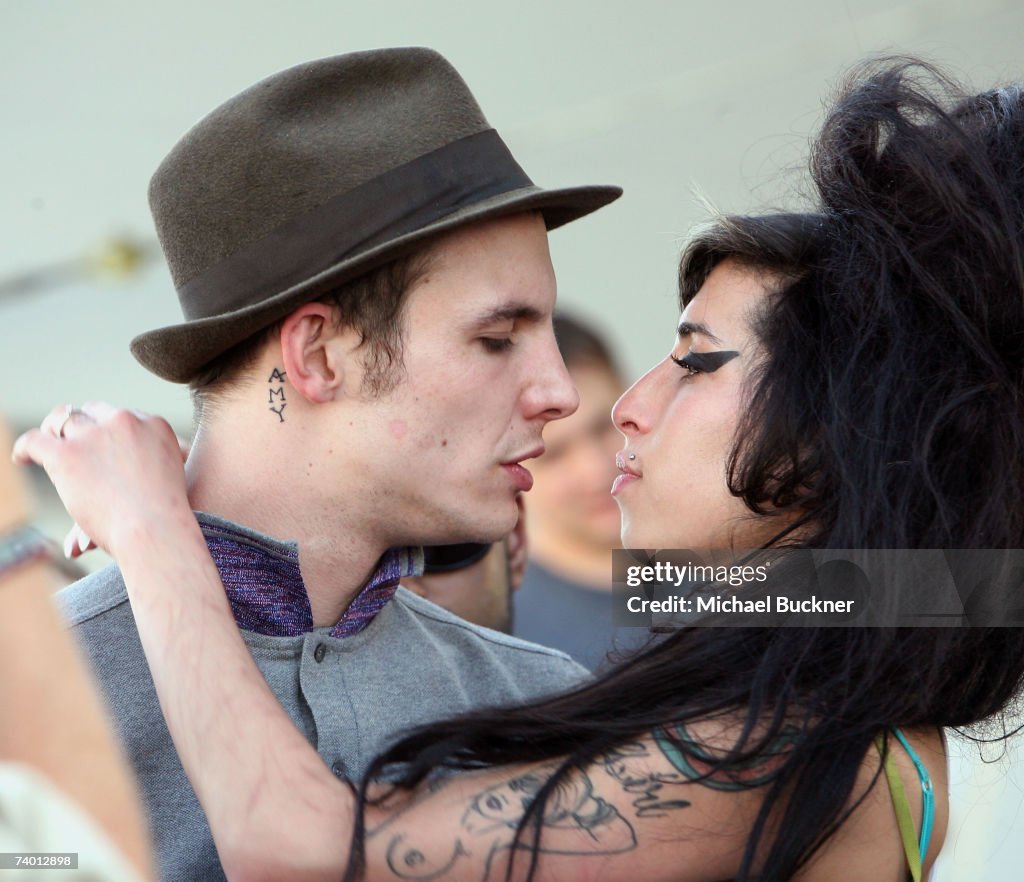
{"x": 371, "y": 304}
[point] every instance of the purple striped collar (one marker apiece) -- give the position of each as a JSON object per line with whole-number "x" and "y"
{"x": 264, "y": 585}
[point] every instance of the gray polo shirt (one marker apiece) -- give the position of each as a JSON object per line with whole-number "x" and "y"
{"x": 351, "y": 697}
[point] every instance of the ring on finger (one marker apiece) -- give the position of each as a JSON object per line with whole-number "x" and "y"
{"x": 69, "y": 411}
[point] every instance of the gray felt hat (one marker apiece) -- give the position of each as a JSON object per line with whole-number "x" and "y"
{"x": 316, "y": 176}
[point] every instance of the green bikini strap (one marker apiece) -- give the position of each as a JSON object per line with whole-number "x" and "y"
{"x": 904, "y": 819}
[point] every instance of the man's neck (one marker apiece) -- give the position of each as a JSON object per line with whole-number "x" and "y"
{"x": 255, "y": 486}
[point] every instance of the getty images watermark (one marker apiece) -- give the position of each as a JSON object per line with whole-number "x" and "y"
{"x": 671, "y": 588}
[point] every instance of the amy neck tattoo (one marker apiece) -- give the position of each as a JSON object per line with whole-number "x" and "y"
{"x": 276, "y": 399}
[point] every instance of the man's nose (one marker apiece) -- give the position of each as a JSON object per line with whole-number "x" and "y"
{"x": 552, "y": 395}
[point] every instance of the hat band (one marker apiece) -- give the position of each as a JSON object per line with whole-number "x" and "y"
{"x": 400, "y": 201}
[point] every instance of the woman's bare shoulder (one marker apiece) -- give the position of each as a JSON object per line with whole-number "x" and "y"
{"x": 868, "y": 845}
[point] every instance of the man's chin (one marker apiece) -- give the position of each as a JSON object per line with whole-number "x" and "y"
{"x": 491, "y": 526}
{"x": 498, "y": 523}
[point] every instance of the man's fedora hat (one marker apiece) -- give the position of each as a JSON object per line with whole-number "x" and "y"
{"x": 316, "y": 176}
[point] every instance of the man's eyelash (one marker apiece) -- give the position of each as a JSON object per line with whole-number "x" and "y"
{"x": 496, "y": 344}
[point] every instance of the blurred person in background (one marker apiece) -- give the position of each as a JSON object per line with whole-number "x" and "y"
{"x": 572, "y": 519}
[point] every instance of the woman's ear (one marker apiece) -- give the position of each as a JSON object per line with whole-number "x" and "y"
{"x": 317, "y": 354}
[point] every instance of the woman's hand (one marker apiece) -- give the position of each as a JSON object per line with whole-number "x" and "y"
{"x": 117, "y": 471}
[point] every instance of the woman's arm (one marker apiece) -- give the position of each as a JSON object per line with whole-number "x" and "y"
{"x": 120, "y": 476}
{"x": 275, "y": 809}
{"x": 53, "y": 718}
{"x": 630, "y": 814}
{"x": 278, "y": 812}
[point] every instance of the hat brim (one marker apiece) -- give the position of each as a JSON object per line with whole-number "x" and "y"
{"x": 178, "y": 352}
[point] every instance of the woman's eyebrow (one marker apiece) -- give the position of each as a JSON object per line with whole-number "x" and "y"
{"x": 688, "y": 329}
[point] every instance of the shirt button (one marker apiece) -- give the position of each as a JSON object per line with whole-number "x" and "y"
{"x": 319, "y": 652}
{"x": 338, "y": 767}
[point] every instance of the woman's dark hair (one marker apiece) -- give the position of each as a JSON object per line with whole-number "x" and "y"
{"x": 886, "y": 413}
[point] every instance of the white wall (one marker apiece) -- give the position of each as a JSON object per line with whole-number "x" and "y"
{"x": 663, "y": 98}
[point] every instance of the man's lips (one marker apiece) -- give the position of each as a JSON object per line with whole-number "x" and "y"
{"x": 520, "y": 475}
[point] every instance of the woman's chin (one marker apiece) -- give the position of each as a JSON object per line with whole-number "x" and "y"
{"x": 634, "y": 536}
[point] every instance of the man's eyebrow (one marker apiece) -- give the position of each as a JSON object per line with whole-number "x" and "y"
{"x": 508, "y": 312}
{"x": 688, "y": 329}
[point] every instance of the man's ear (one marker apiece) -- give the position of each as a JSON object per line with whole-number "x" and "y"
{"x": 518, "y": 547}
{"x": 317, "y": 354}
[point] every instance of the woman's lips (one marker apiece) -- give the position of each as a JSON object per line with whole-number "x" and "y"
{"x": 622, "y": 481}
{"x": 628, "y": 476}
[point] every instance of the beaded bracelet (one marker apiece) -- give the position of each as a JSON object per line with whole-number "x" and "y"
{"x": 20, "y": 546}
